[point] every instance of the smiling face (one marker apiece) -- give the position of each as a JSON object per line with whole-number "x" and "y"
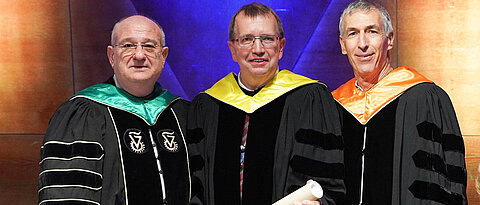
{"x": 137, "y": 67}
{"x": 365, "y": 43}
{"x": 257, "y": 64}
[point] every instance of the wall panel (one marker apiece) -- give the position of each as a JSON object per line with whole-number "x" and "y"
{"x": 439, "y": 39}
{"x": 35, "y": 63}
{"x": 472, "y": 158}
{"x": 19, "y": 157}
{"x": 92, "y": 23}
{"x": 36, "y": 73}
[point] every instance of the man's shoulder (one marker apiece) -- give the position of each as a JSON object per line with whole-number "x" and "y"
{"x": 78, "y": 105}
{"x": 314, "y": 85}
{"x": 180, "y": 105}
{"x": 316, "y": 88}
{"x": 204, "y": 100}
{"x": 181, "y": 102}
{"x": 75, "y": 113}
{"x": 202, "y": 96}
{"x": 84, "y": 97}
{"x": 423, "y": 90}
{"x": 426, "y": 95}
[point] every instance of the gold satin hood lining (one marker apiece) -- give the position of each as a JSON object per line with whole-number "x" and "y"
{"x": 228, "y": 91}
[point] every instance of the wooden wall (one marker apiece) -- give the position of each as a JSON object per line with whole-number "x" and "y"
{"x": 35, "y": 68}
{"x": 48, "y": 51}
{"x": 51, "y": 49}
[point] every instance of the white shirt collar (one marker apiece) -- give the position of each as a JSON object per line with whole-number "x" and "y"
{"x": 358, "y": 86}
{"x": 116, "y": 81}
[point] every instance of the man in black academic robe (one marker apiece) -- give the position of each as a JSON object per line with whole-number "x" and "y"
{"x": 291, "y": 125}
{"x": 120, "y": 142}
{"x": 402, "y": 141}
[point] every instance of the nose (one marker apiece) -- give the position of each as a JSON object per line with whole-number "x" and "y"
{"x": 363, "y": 42}
{"x": 257, "y": 47}
{"x": 139, "y": 53}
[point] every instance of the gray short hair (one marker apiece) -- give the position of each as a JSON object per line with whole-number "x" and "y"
{"x": 162, "y": 34}
{"x": 366, "y": 6}
{"x": 253, "y": 10}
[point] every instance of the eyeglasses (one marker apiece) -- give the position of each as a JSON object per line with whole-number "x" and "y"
{"x": 129, "y": 48}
{"x": 268, "y": 41}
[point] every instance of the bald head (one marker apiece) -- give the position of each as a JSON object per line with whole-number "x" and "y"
{"x": 135, "y": 20}
{"x": 137, "y": 54}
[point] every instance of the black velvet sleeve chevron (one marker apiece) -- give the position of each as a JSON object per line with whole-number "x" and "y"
{"x": 431, "y": 150}
{"x": 71, "y": 158}
{"x": 310, "y": 137}
{"x": 201, "y": 113}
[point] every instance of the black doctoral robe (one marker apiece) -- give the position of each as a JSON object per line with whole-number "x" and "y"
{"x": 98, "y": 149}
{"x": 293, "y": 136}
{"x": 405, "y": 134}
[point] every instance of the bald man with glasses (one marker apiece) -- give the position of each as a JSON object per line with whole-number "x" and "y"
{"x": 122, "y": 141}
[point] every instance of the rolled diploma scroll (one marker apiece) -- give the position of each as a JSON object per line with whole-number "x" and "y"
{"x": 311, "y": 191}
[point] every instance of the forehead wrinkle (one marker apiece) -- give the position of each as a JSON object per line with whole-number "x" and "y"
{"x": 374, "y": 26}
{"x": 366, "y": 27}
{"x": 351, "y": 28}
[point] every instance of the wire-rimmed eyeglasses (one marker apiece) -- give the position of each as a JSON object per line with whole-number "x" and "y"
{"x": 268, "y": 41}
{"x": 129, "y": 48}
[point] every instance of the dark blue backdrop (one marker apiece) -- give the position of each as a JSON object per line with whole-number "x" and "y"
{"x": 197, "y": 34}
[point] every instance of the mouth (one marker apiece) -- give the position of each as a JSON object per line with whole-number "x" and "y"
{"x": 259, "y": 61}
{"x": 365, "y": 57}
{"x": 139, "y": 66}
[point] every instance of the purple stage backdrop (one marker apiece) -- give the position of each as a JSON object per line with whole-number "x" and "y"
{"x": 197, "y": 35}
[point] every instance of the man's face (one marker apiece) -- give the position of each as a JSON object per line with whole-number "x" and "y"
{"x": 257, "y": 61}
{"x": 365, "y": 43}
{"x": 133, "y": 65}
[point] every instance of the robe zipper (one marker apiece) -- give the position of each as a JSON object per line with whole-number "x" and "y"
{"x": 363, "y": 164}
{"x": 159, "y": 166}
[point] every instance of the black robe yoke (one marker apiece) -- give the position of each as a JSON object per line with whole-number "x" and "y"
{"x": 291, "y": 139}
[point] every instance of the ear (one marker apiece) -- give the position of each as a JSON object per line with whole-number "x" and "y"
{"x": 342, "y": 44}
{"x": 391, "y": 39}
{"x": 110, "y": 53}
{"x": 231, "y": 46}
{"x": 164, "y": 55}
{"x": 282, "y": 45}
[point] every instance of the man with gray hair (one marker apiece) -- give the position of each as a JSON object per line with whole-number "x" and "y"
{"x": 122, "y": 141}
{"x": 402, "y": 141}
